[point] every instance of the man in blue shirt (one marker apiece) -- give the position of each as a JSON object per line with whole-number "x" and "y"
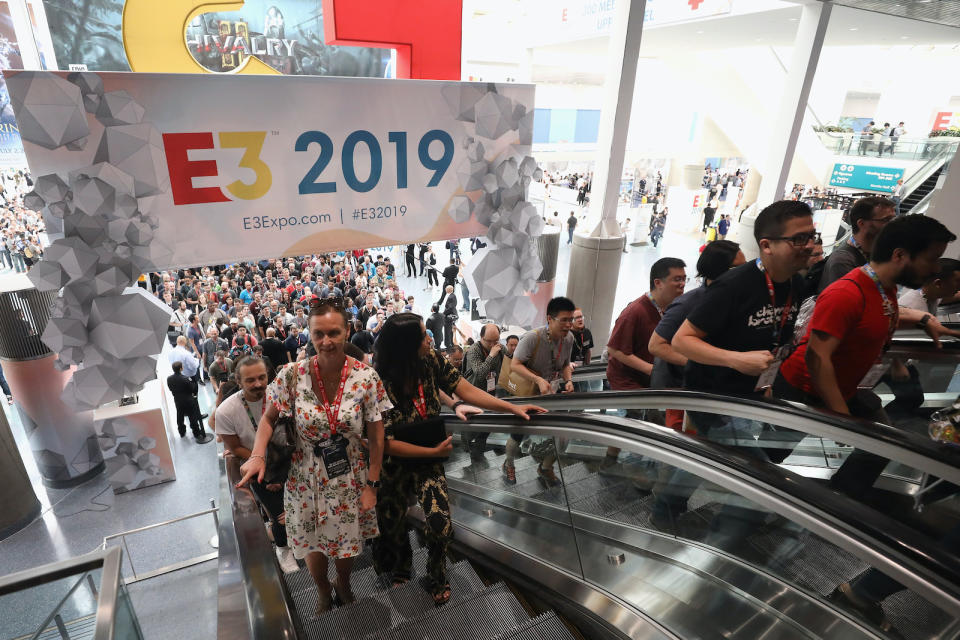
{"x": 187, "y": 356}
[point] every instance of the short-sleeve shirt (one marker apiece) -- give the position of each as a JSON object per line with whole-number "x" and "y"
{"x": 915, "y": 299}
{"x": 840, "y": 262}
{"x": 736, "y": 315}
{"x": 438, "y": 375}
{"x": 666, "y": 375}
{"x": 221, "y": 373}
{"x": 582, "y": 342}
{"x": 851, "y": 310}
{"x": 546, "y": 357}
{"x": 232, "y": 419}
{"x": 631, "y": 336}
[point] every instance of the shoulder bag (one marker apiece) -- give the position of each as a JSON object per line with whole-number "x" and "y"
{"x": 278, "y": 457}
{"x": 516, "y": 384}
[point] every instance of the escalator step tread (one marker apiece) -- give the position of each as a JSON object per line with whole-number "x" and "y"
{"x": 575, "y": 472}
{"x": 546, "y": 626}
{"x": 493, "y": 611}
{"x": 364, "y": 581}
{"x": 386, "y": 608}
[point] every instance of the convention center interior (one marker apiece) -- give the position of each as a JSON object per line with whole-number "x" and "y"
{"x": 479, "y": 320}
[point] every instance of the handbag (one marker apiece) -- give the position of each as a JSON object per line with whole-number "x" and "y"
{"x": 278, "y": 458}
{"x": 516, "y": 384}
{"x": 423, "y": 433}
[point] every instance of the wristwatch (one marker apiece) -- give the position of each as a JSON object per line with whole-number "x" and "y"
{"x": 373, "y": 484}
{"x": 457, "y": 404}
{"x": 923, "y": 321}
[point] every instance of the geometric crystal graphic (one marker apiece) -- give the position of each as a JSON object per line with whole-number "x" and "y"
{"x": 507, "y": 269}
{"x": 129, "y": 325}
{"x": 130, "y": 457}
{"x": 51, "y": 113}
{"x": 118, "y": 107}
{"x": 136, "y": 149}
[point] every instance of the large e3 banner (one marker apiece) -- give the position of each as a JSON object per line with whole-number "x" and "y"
{"x": 226, "y": 168}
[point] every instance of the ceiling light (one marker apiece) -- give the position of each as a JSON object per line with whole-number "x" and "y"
{"x": 852, "y": 29}
{"x": 699, "y": 32}
{"x": 904, "y": 37}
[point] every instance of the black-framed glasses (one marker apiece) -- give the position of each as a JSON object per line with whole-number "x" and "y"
{"x": 799, "y": 240}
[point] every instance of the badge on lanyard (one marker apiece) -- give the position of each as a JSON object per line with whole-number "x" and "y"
{"x": 877, "y": 370}
{"x": 780, "y": 350}
{"x": 333, "y": 452}
{"x": 491, "y": 382}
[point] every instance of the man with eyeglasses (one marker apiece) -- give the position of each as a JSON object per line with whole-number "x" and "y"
{"x": 729, "y": 340}
{"x": 543, "y": 357}
{"x": 868, "y": 217}
{"x": 481, "y": 368}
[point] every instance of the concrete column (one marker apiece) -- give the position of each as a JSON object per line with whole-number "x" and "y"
{"x": 20, "y": 504}
{"x": 943, "y": 205}
{"x": 783, "y": 138}
{"x": 595, "y": 258}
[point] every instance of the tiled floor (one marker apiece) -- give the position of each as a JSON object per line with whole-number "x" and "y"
{"x": 75, "y": 521}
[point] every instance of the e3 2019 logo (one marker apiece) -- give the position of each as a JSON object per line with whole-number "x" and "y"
{"x": 183, "y": 170}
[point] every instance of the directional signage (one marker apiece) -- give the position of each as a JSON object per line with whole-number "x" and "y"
{"x": 858, "y": 176}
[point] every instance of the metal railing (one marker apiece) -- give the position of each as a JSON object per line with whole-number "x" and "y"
{"x": 911, "y": 149}
{"x": 213, "y": 510}
{"x": 108, "y": 561}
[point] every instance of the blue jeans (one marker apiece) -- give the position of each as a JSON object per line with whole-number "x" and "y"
{"x": 5, "y": 258}
{"x": 18, "y": 264}
{"x": 3, "y": 383}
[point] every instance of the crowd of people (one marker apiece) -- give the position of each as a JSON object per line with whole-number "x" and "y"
{"x": 359, "y": 387}
{"x": 20, "y": 228}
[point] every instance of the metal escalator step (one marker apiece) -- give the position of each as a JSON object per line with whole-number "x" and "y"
{"x": 546, "y": 626}
{"x": 575, "y": 472}
{"x": 388, "y": 608}
{"x": 592, "y": 485}
{"x": 363, "y": 580}
{"x": 488, "y": 613}
{"x": 607, "y": 501}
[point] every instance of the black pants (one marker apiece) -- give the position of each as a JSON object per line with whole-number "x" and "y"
{"x": 860, "y": 470}
{"x": 432, "y": 277}
{"x": 423, "y": 264}
{"x": 411, "y": 266}
{"x": 443, "y": 295}
{"x": 448, "y": 334}
{"x": 272, "y": 501}
{"x": 189, "y": 408}
{"x": 391, "y": 551}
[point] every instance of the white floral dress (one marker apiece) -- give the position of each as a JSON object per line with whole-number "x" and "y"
{"x": 324, "y": 515}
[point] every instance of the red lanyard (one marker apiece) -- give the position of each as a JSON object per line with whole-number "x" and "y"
{"x": 785, "y": 314}
{"x": 420, "y": 404}
{"x": 890, "y": 308}
{"x": 334, "y": 410}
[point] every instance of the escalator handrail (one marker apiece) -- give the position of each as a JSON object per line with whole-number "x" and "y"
{"x": 919, "y": 452}
{"x": 896, "y": 549}
{"x": 250, "y": 581}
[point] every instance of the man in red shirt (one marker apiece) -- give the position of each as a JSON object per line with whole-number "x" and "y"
{"x": 630, "y": 362}
{"x": 840, "y": 359}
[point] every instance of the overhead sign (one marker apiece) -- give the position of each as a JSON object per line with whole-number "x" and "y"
{"x": 858, "y": 176}
{"x": 240, "y": 167}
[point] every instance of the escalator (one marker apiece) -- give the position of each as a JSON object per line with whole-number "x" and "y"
{"x": 921, "y": 190}
{"x": 757, "y": 551}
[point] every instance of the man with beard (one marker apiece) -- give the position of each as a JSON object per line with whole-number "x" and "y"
{"x": 842, "y": 356}
{"x": 236, "y": 423}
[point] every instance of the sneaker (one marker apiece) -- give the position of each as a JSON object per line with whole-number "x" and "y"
{"x": 287, "y": 562}
{"x": 547, "y": 476}
{"x": 871, "y": 611}
{"x": 509, "y": 473}
{"x": 609, "y": 466}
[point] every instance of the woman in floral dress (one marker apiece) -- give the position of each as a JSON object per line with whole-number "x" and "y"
{"x": 331, "y": 494}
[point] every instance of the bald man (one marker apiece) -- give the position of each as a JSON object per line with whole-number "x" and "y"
{"x": 481, "y": 366}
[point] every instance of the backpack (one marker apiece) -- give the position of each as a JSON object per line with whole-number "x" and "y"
{"x": 240, "y": 350}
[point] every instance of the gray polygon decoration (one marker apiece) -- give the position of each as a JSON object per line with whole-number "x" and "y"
{"x": 49, "y": 109}
{"x": 91, "y": 229}
{"x": 503, "y": 273}
{"x": 117, "y": 108}
{"x": 51, "y": 188}
{"x": 64, "y": 332}
{"x": 130, "y": 460}
{"x": 129, "y": 325}
{"x": 74, "y": 255}
{"x": 493, "y": 114}
{"x": 88, "y": 83}
{"x": 136, "y": 149}
{"x": 48, "y": 276}
{"x": 93, "y": 386}
{"x": 79, "y": 144}
{"x": 460, "y": 208}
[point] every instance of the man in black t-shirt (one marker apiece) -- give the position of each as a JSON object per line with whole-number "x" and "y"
{"x": 582, "y": 339}
{"x": 571, "y": 225}
{"x": 273, "y": 349}
{"x": 730, "y": 339}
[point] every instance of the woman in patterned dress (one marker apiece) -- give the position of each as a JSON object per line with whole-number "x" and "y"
{"x": 413, "y": 375}
{"x": 331, "y": 493}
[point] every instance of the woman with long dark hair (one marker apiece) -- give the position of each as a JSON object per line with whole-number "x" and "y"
{"x": 413, "y": 376}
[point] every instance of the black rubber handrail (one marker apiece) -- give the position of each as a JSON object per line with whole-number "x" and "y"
{"x": 910, "y": 548}
{"x": 893, "y": 443}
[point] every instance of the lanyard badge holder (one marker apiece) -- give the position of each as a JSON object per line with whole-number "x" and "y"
{"x": 880, "y": 368}
{"x": 333, "y": 450}
{"x": 780, "y": 350}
